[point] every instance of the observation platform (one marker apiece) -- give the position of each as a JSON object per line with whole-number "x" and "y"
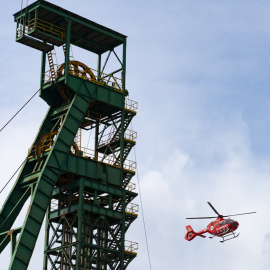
{"x": 45, "y": 22}
{"x": 104, "y": 88}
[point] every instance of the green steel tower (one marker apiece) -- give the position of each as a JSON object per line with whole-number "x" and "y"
{"x": 85, "y": 194}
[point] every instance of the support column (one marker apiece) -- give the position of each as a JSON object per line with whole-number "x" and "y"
{"x": 46, "y": 241}
{"x": 122, "y": 156}
{"x": 80, "y": 225}
{"x": 96, "y": 138}
{"x": 99, "y": 68}
{"x": 68, "y": 33}
{"x": 43, "y": 67}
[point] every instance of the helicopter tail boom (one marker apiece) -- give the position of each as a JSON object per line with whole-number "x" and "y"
{"x": 191, "y": 234}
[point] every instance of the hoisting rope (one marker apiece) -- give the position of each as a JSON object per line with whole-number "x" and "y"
{"x": 140, "y": 196}
{"x": 89, "y": 138}
{"x": 18, "y": 111}
{"x": 33, "y": 95}
{"x": 21, "y": 11}
{"x": 12, "y": 177}
{"x": 5, "y": 126}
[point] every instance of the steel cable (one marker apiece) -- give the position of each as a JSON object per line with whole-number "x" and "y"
{"x": 12, "y": 176}
{"x": 18, "y": 111}
{"x": 5, "y": 126}
{"x": 140, "y": 196}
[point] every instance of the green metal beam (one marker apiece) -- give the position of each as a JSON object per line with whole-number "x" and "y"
{"x": 89, "y": 25}
{"x": 46, "y": 182}
{"x": 84, "y": 38}
{"x": 68, "y": 16}
{"x": 67, "y": 52}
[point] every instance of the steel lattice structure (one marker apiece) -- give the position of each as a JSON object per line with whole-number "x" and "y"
{"x": 86, "y": 195}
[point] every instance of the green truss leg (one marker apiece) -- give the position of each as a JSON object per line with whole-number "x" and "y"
{"x": 43, "y": 186}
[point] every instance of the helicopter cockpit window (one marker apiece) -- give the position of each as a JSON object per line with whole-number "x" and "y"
{"x": 225, "y": 221}
{"x": 216, "y": 224}
{"x": 221, "y": 223}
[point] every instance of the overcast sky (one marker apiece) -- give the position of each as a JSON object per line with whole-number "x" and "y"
{"x": 200, "y": 73}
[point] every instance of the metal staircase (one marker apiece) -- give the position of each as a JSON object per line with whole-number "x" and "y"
{"x": 111, "y": 146}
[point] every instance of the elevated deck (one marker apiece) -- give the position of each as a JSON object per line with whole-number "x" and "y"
{"x": 46, "y": 22}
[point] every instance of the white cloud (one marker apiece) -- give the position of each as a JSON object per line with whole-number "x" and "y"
{"x": 180, "y": 188}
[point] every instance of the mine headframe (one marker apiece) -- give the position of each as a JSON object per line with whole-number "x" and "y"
{"x": 86, "y": 194}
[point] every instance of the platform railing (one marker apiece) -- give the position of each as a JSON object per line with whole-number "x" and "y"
{"x": 93, "y": 115}
{"x": 101, "y": 78}
{"x": 103, "y": 201}
{"x": 132, "y": 208}
{"x": 131, "y": 186}
{"x": 22, "y": 28}
{"x": 131, "y": 246}
{"x": 29, "y": 26}
{"x": 20, "y": 31}
{"x": 131, "y": 105}
{"x": 111, "y": 160}
{"x": 89, "y": 153}
{"x": 50, "y": 28}
{"x": 54, "y": 205}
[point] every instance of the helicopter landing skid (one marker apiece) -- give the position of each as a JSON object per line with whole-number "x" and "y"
{"x": 229, "y": 235}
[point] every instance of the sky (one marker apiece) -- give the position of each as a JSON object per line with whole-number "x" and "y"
{"x": 200, "y": 73}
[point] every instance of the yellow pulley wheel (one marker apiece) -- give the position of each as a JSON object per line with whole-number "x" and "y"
{"x": 78, "y": 69}
{"x": 46, "y": 143}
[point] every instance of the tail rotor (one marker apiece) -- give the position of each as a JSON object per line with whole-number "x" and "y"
{"x": 190, "y": 233}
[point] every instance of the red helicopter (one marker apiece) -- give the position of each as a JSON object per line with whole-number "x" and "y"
{"x": 220, "y": 227}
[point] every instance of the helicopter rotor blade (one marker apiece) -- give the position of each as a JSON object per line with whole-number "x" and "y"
{"x": 240, "y": 214}
{"x": 214, "y": 209}
{"x": 201, "y": 217}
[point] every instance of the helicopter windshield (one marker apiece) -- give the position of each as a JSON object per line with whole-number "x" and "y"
{"x": 223, "y": 222}
{"x": 232, "y": 221}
